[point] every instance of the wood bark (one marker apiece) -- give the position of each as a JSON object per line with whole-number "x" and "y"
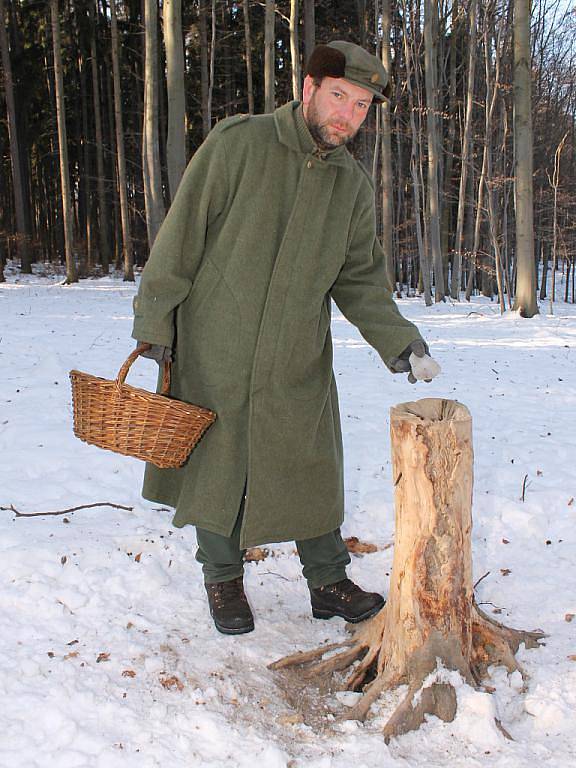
{"x": 71, "y": 273}
{"x": 269, "y": 56}
{"x": 431, "y": 625}
{"x": 448, "y": 184}
{"x": 112, "y": 175}
{"x": 386, "y": 177}
{"x": 415, "y": 163}
{"x": 491, "y": 98}
{"x": 212, "y": 60}
{"x": 466, "y": 146}
{"x": 204, "y": 75}
{"x": 433, "y": 198}
{"x": 248, "y": 54}
{"x": 176, "y": 139}
{"x": 525, "y": 300}
{"x": 128, "y": 261}
{"x": 151, "y": 146}
{"x": 86, "y": 256}
{"x": 294, "y": 50}
{"x": 103, "y": 218}
{"x": 555, "y": 182}
{"x": 309, "y": 28}
{"x": 22, "y": 233}
{"x": 479, "y": 212}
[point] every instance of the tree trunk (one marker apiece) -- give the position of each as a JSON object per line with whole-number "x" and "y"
{"x": 23, "y": 235}
{"x": 248, "y": 49}
{"x": 555, "y": 182}
{"x": 478, "y": 220}
{"x": 309, "y": 28}
{"x": 111, "y": 173}
{"x": 433, "y": 207}
{"x": 269, "y": 56}
{"x": 386, "y": 170}
{"x": 294, "y": 50}
{"x": 430, "y": 625}
{"x": 84, "y": 174}
{"x": 455, "y": 36}
{"x": 103, "y": 220}
{"x": 212, "y": 63}
{"x": 491, "y": 96}
{"x": 525, "y": 300}
{"x": 176, "y": 139}
{"x": 415, "y": 163}
{"x": 71, "y": 274}
{"x": 120, "y": 152}
{"x": 206, "y": 118}
{"x": 457, "y": 260}
{"x": 151, "y": 147}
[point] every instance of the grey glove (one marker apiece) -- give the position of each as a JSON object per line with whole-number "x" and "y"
{"x": 401, "y": 364}
{"x": 155, "y": 352}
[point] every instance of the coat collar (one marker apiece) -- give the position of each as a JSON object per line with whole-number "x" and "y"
{"x": 293, "y": 132}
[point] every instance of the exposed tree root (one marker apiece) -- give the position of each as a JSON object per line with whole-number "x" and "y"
{"x": 303, "y": 657}
{"x": 492, "y": 644}
{"x": 431, "y": 625}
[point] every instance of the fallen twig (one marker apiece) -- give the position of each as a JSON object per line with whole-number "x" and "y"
{"x": 480, "y": 579}
{"x": 11, "y": 508}
{"x": 524, "y": 487}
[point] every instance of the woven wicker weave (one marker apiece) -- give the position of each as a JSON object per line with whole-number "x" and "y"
{"x": 134, "y": 422}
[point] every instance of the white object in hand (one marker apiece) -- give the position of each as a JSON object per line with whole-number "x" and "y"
{"x": 423, "y": 367}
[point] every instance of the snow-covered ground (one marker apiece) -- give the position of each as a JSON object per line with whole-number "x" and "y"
{"x": 108, "y": 656}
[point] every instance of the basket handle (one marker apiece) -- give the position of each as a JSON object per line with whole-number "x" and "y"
{"x": 123, "y": 372}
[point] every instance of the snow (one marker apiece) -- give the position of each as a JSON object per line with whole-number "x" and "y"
{"x": 108, "y": 656}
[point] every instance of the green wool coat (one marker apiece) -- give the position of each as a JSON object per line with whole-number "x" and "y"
{"x": 264, "y": 232}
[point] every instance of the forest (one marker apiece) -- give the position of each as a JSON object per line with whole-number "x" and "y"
{"x": 103, "y": 104}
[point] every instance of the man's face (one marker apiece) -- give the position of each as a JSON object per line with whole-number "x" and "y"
{"x": 334, "y": 110}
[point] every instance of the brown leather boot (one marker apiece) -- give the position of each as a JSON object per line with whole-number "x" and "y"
{"x": 345, "y": 599}
{"x": 229, "y": 607}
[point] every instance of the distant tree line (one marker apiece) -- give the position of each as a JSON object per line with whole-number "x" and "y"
{"x": 103, "y": 103}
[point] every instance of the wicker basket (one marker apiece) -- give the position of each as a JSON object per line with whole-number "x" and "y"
{"x": 134, "y": 422}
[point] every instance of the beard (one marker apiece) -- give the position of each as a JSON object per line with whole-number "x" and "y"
{"x": 325, "y": 137}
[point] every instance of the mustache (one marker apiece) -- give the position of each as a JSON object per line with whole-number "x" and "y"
{"x": 340, "y": 126}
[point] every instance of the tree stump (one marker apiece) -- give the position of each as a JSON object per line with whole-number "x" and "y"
{"x": 431, "y": 623}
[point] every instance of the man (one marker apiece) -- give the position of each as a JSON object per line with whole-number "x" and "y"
{"x": 272, "y": 220}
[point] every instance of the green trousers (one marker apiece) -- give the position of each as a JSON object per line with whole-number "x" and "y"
{"x": 324, "y": 558}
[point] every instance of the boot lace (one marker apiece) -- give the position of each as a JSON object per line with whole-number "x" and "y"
{"x": 226, "y": 591}
{"x": 346, "y": 589}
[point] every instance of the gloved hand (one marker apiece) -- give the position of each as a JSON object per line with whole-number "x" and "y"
{"x": 415, "y": 360}
{"x": 155, "y": 352}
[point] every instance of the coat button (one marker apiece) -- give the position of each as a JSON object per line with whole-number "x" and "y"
{"x": 309, "y": 164}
